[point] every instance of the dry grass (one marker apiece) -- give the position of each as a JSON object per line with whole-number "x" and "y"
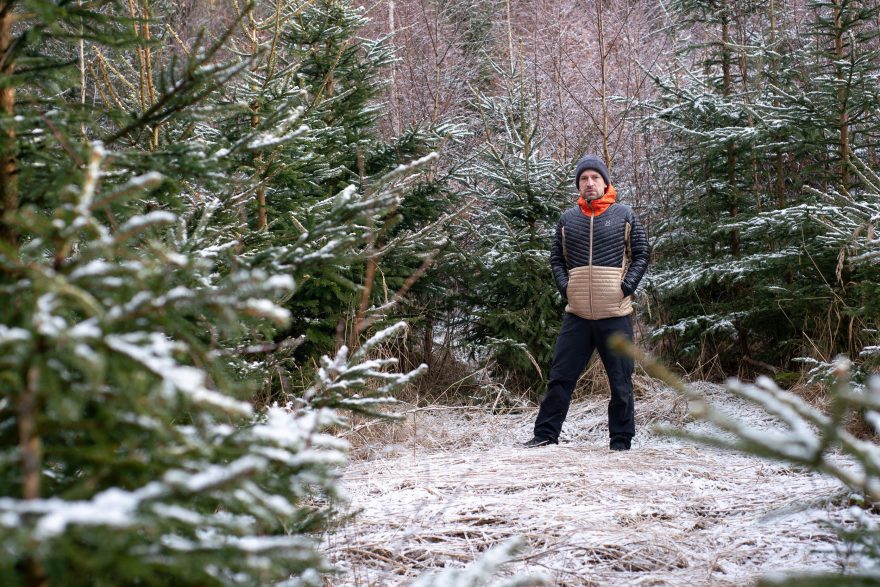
{"x": 443, "y": 485}
{"x": 442, "y": 427}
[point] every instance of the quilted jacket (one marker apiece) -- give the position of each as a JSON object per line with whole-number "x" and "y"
{"x": 598, "y": 259}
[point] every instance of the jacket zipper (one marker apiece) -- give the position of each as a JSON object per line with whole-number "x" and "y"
{"x": 564, "y": 251}
{"x": 590, "y": 282}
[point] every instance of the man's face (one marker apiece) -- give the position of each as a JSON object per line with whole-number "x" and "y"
{"x": 591, "y": 185}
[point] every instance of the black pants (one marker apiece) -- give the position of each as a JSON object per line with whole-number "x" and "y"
{"x": 577, "y": 339}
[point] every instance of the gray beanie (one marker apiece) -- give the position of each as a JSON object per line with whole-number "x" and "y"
{"x": 591, "y": 162}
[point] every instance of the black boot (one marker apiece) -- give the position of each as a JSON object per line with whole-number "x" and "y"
{"x": 537, "y": 441}
{"x": 620, "y": 444}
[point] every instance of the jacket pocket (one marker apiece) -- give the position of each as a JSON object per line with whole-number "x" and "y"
{"x": 578, "y": 292}
{"x": 608, "y": 298}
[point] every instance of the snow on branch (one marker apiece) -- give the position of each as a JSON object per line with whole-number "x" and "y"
{"x": 138, "y": 224}
{"x": 133, "y": 186}
{"x": 155, "y": 351}
{"x": 405, "y": 168}
{"x": 281, "y": 133}
{"x": 267, "y": 309}
{"x": 13, "y": 335}
{"x": 707, "y": 324}
{"x": 278, "y": 436}
{"x": 378, "y": 338}
{"x": 339, "y": 378}
{"x": 93, "y": 175}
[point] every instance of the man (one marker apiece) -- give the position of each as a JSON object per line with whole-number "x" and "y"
{"x": 599, "y": 255}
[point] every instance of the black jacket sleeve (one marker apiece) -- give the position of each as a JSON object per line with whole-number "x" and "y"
{"x": 641, "y": 252}
{"x": 557, "y": 261}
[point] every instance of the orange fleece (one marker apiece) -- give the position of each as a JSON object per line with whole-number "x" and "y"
{"x": 598, "y": 206}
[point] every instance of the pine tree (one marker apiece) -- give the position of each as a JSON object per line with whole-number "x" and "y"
{"x": 419, "y": 255}
{"x": 844, "y": 221}
{"x": 313, "y": 91}
{"x": 137, "y": 309}
{"x": 515, "y": 307}
{"x": 739, "y": 276}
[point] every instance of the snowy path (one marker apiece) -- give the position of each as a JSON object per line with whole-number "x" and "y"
{"x": 452, "y": 484}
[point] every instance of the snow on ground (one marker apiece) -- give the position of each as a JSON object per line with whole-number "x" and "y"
{"x": 448, "y": 484}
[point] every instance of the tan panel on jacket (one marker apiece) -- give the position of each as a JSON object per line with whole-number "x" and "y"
{"x": 594, "y": 293}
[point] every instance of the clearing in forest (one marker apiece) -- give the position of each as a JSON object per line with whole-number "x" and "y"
{"x": 443, "y": 486}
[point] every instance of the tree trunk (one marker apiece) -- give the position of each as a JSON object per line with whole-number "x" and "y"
{"x": 31, "y": 463}
{"x": 8, "y": 174}
{"x": 510, "y": 38}
{"x": 395, "y": 94}
{"x": 774, "y": 77}
{"x": 742, "y": 41}
{"x": 842, "y": 97}
{"x": 262, "y": 219}
{"x": 600, "y": 17}
{"x": 428, "y": 341}
{"x": 731, "y": 152}
{"x": 372, "y": 254}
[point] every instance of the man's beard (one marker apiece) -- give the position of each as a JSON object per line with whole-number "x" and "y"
{"x": 590, "y": 196}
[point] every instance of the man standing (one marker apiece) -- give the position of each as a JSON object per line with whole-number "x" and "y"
{"x": 599, "y": 255}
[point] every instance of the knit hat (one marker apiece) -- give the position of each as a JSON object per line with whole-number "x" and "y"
{"x": 591, "y": 162}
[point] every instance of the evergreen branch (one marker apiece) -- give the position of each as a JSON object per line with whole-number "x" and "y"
{"x": 197, "y": 72}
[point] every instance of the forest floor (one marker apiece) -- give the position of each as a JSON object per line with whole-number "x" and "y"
{"x": 443, "y": 485}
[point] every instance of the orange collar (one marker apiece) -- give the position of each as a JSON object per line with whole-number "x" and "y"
{"x": 596, "y": 207}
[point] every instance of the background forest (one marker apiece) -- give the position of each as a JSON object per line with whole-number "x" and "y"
{"x": 743, "y": 133}
{"x": 225, "y": 224}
